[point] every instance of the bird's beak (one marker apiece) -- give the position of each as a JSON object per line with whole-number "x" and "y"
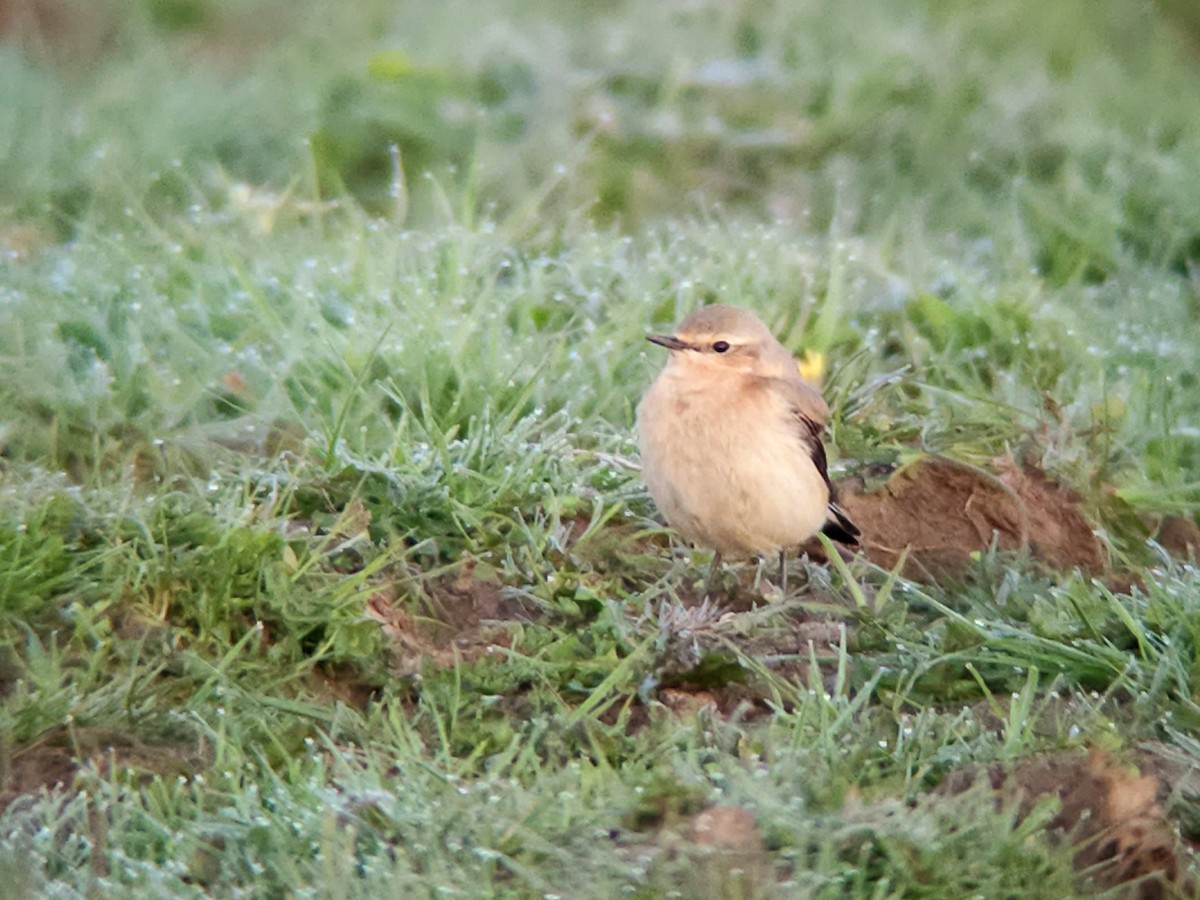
{"x": 668, "y": 340}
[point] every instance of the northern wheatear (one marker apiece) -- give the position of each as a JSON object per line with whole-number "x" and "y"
{"x": 730, "y": 436}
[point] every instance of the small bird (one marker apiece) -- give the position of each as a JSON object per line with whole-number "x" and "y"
{"x": 730, "y": 438}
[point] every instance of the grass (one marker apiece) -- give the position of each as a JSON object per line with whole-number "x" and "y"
{"x": 319, "y": 348}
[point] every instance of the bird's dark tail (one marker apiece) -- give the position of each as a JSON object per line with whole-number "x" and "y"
{"x": 840, "y": 528}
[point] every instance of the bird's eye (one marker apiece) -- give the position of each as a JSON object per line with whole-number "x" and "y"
{"x": 721, "y": 347}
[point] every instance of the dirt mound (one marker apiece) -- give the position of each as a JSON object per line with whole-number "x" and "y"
{"x": 1111, "y": 813}
{"x": 727, "y": 854}
{"x": 1179, "y": 536}
{"x": 943, "y": 511}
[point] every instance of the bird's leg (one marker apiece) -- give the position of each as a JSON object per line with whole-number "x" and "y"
{"x": 783, "y": 572}
{"x": 713, "y": 568}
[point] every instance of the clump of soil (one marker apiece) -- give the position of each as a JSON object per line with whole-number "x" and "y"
{"x": 727, "y": 854}
{"x": 1111, "y": 813}
{"x": 30, "y": 769}
{"x": 1179, "y": 536}
{"x": 942, "y": 512}
{"x": 54, "y": 758}
{"x": 465, "y": 619}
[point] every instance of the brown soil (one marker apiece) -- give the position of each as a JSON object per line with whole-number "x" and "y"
{"x": 56, "y": 756}
{"x": 342, "y": 684}
{"x": 1179, "y": 536}
{"x": 727, "y": 855}
{"x": 727, "y": 828}
{"x": 467, "y": 618}
{"x": 942, "y": 512}
{"x": 1110, "y": 812}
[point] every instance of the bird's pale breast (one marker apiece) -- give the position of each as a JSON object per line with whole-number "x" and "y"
{"x": 727, "y": 467}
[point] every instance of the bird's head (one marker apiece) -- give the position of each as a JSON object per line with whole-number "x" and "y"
{"x": 725, "y": 339}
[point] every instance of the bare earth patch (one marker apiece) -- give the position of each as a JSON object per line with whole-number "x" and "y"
{"x": 1179, "y": 536}
{"x": 55, "y": 757}
{"x": 943, "y": 512}
{"x": 1111, "y": 813}
{"x": 464, "y": 617}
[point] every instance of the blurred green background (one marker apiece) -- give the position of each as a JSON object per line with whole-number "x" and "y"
{"x": 1070, "y": 127}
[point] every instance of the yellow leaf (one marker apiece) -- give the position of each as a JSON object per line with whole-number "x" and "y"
{"x": 812, "y": 366}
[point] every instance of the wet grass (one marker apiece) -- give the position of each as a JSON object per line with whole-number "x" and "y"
{"x": 325, "y": 568}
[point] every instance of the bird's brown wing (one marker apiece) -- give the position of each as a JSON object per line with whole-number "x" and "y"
{"x": 805, "y": 411}
{"x": 810, "y": 435}
{"x": 808, "y": 411}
